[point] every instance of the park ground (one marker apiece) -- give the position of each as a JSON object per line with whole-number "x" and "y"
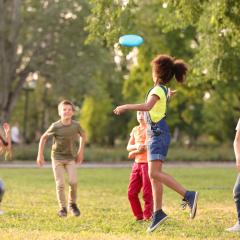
{"x": 30, "y": 205}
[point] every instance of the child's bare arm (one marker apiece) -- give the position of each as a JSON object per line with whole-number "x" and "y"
{"x": 80, "y": 153}
{"x": 131, "y": 144}
{"x": 40, "y": 156}
{"x": 236, "y": 145}
{"x": 132, "y": 154}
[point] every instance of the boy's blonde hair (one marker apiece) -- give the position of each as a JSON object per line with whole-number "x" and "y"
{"x": 66, "y": 102}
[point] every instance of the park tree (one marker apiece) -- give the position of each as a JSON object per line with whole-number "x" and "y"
{"x": 42, "y": 44}
{"x": 45, "y": 41}
{"x": 203, "y": 33}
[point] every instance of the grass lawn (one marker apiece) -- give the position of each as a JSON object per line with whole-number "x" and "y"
{"x": 30, "y": 206}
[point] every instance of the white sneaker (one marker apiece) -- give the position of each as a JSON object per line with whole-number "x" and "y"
{"x": 1, "y": 212}
{"x": 235, "y": 228}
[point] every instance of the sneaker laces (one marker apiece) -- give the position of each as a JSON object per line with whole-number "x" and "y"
{"x": 184, "y": 204}
{"x": 74, "y": 206}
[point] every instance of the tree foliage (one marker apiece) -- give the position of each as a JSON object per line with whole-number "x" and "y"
{"x": 206, "y": 35}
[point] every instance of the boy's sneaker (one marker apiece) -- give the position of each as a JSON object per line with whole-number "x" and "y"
{"x": 192, "y": 197}
{"x": 62, "y": 212}
{"x": 74, "y": 209}
{"x": 1, "y": 212}
{"x": 158, "y": 218}
{"x": 235, "y": 228}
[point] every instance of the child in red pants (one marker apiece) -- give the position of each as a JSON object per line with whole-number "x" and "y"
{"x": 139, "y": 178}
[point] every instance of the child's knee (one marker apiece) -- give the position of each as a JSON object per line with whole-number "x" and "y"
{"x": 60, "y": 184}
{"x": 153, "y": 175}
{"x": 132, "y": 195}
{"x": 73, "y": 183}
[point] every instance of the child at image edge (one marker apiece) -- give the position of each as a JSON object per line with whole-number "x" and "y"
{"x": 65, "y": 132}
{"x": 139, "y": 176}
{"x": 5, "y": 149}
{"x": 236, "y": 189}
{"x": 164, "y": 68}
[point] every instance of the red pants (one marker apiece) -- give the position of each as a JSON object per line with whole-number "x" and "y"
{"x": 139, "y": 179}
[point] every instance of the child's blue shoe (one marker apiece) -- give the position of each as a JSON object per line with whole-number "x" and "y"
{"x": 158, "y": 218}
{"x": 191, "y": 198}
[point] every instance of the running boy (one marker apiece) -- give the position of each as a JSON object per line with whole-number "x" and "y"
{"x": 139, "y": 178}
{"x": 236, "y": 189}
{"x": 164, "y": 68}
{"x": 64, "y": 132}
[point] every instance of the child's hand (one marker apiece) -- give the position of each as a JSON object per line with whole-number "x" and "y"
{"x": 40, "y": 161}
{"x": 141, "y": 148}
{"x": 119, "y": 110}
{"x": 79, "y": 159}
{"x": 171, "y": 93}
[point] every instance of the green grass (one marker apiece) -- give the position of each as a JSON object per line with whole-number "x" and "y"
{"x": 30, "y": 206}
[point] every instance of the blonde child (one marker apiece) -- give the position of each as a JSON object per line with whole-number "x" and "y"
{"x": 164, "y": 68}
{"x": 139, "y": 178}
{"x": 64, "y": 132}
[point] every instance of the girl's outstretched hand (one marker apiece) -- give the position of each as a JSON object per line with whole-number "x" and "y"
{"x": 119, "y": 110}
{"x": 171, "y": 93}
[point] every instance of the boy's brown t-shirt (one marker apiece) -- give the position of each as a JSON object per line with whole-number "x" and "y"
{"x": 64, "y": 139}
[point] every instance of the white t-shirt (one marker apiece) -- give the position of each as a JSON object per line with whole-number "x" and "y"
{"x": 238, "y": 125}
{"x": 15, "y": 135}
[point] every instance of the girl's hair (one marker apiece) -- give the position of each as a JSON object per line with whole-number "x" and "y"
{"x": 165, "y": 67}
{"x": 5, "y": 144}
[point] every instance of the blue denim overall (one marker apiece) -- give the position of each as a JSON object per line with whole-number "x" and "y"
{"x": 158, "y": 136}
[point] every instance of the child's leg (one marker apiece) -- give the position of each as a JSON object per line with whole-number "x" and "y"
{"x": 72, "y": 180}
{"x": 157, "y": 187}
{"x": 147, "y": 192}
{"x": 58, "y": 171}
{"x": 135, "y": 185}
{"x": 2, "y": 189}
{"x": 236, "y": 196}
{"x": 155, "y": 173}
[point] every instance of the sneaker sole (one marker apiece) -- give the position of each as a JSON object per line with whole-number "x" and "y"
{"x": 194, "y": 209}
{"x": 231, "y": 230}
{"x": 149, "y": 230}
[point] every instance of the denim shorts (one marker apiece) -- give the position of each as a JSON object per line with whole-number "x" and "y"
{"x": 158, "y": 136}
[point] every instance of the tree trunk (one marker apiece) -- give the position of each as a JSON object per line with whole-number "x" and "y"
{"x": 9, "y": 31}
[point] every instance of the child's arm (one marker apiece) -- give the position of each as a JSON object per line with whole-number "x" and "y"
{"x": 132, "y": 154}
{"x": 236, "y": 145}
{"x": 131, "y": 144}
{"x": 80, "y": 153}
{"x": 40, "y": 156}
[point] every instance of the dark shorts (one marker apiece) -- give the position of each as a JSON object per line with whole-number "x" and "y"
{"x": 158, "y": 136}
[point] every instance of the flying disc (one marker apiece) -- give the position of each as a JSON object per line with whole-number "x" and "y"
{"x": 131, "y": 40}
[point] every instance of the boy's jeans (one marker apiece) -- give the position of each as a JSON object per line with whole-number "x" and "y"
{"x": 236, "y": 195}
{"x": 59, "y": 168}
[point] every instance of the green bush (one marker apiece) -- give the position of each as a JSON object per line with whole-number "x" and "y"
{"x": 177, "y": 152}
